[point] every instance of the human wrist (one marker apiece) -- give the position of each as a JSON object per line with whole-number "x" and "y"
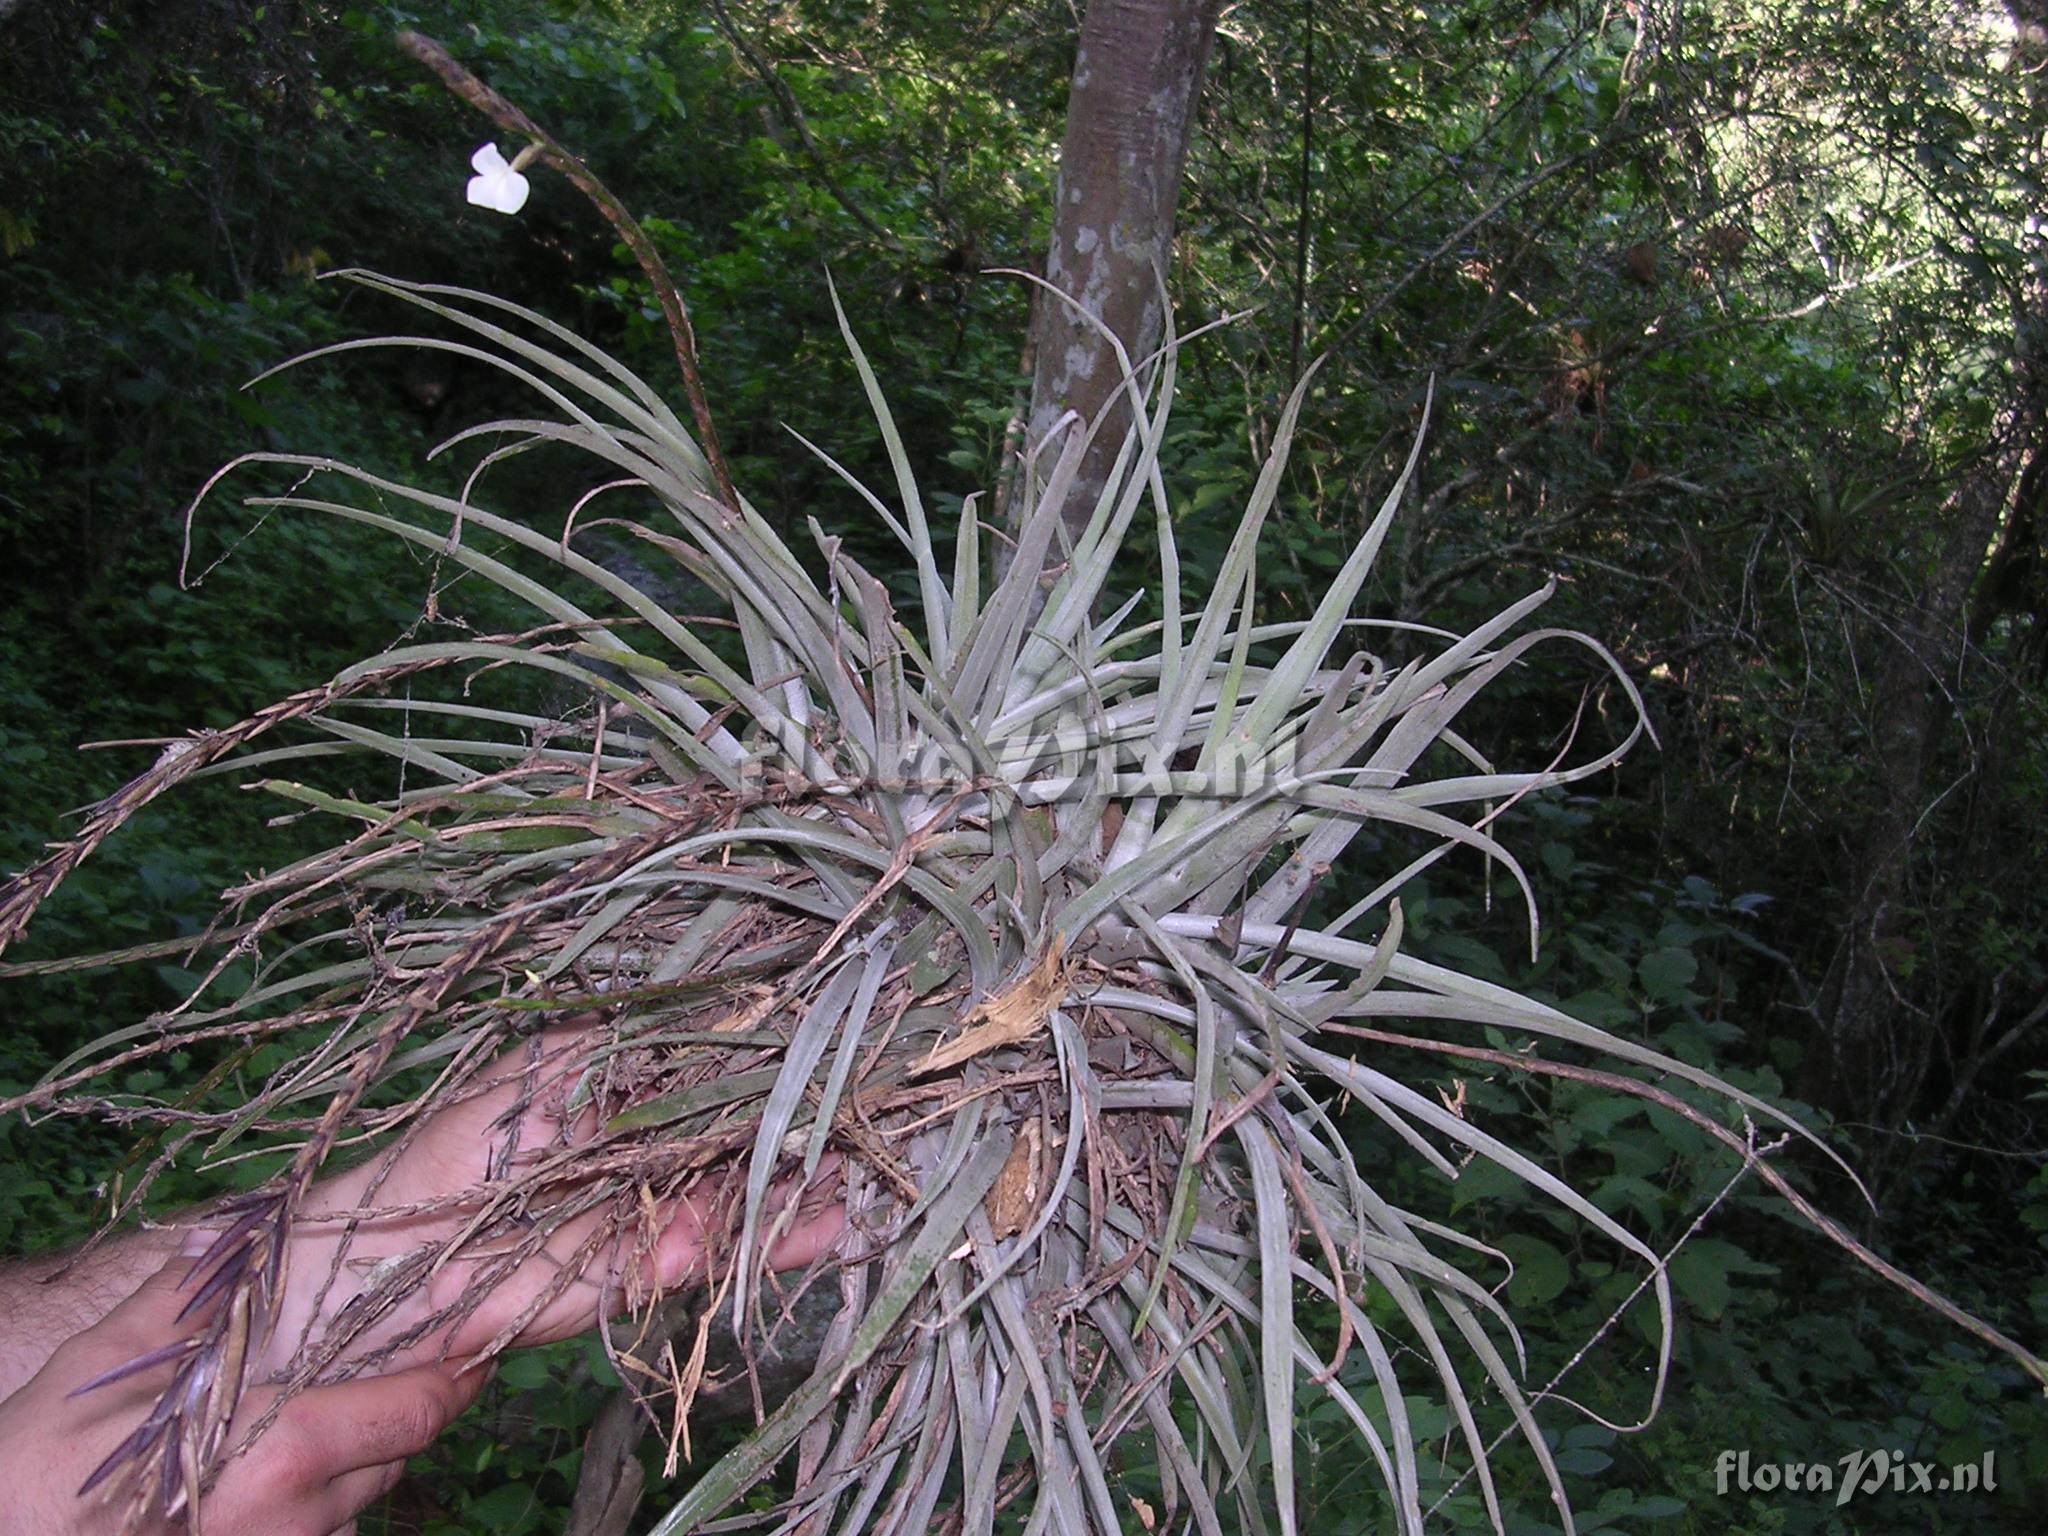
{"x": 51, "y": 1297}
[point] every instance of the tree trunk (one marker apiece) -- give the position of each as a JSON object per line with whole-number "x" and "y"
{"x": 1878, "y": 1039}
{"x": 1130, "y": 114}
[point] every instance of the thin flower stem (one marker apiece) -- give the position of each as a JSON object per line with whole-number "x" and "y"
{"x": 512, "y": 120}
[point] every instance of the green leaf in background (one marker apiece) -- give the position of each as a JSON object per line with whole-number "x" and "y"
{"x": 1541, "y": 1271}
{"x": 1667, "y": 975}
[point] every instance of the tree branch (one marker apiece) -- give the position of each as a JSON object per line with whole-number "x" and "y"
{"x": 793, "y": 114}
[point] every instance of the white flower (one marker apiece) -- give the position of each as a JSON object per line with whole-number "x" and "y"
{"x": 496, "y": 184}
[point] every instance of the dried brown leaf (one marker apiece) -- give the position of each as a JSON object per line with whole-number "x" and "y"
{"x": 1008, "y": 1018}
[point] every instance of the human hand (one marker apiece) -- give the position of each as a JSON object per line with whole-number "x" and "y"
{"x": 515, "y": 1116}
{"x": 325, "y": 1450}
{"x": 331, "y": 1451}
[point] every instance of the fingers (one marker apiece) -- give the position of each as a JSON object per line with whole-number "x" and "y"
{"x": 513, "y": 1108}
{"x": 334, "y": 1450}
{"x": 815, "y": 1223}
{"x": 803, "y": 1224}
{"x": 805, "y": 1221}
{"x": 373, "y": 1420}
{"x": 802, "y": 1221}
{"x": 543, "y": 1069}
{"x": 512, "y": 1104}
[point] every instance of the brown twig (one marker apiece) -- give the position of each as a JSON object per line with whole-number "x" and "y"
{"x": 512, "y": 120}
{"x": 183, "y": 757}
{"x": 1832, "y": 1230}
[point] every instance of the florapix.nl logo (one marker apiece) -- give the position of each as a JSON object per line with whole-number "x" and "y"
{"x": 1855, "y": 1475}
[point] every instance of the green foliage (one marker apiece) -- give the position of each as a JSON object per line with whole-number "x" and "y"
{"x": 1770, "y": 1352}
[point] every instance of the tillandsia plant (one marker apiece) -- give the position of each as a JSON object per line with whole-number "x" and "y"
{"x": 987, "y": 915}
{"x": 998, "y": 900}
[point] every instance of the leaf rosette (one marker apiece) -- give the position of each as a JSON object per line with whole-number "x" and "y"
{"x": 990, "y": 916}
